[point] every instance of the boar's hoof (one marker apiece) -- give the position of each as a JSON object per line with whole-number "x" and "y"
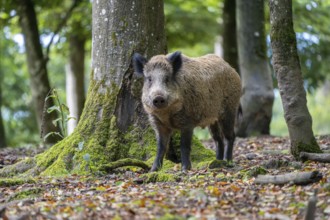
{"x": 186, "y": 167}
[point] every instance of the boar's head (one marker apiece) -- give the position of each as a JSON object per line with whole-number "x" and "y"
{"x": 161, "y": 90}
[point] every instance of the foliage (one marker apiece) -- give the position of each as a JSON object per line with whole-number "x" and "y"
{"x": 192, "y": 26}
{"x": 63, "y": 114}
{"x": 316, "y": 103}
{"x": 311, "y": 20}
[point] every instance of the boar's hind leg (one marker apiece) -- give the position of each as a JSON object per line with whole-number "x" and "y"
{"x": 227, "y": 126}
{"x": 185, "y": 146}
{"x": 163, "y": 138}
{"x": 218, "y": 139}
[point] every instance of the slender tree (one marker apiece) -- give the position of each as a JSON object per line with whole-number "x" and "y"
{"x": 288, "y": 72}
{"x": 75, "y": 74}
{"x": 2, "y": 129}
{"x": 39, "y": 81}
{"x": 257, "y": 98}
{"x": 230, "y": 50}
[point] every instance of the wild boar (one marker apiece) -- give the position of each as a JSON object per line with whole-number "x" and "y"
{"x": 181, "y": 93}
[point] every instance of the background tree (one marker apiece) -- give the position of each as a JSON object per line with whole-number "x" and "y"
{"x": 257, "y": 98}
{"x": 2, "y": 128}
{"x": 75, "y": 72}
{"x": 39, "y": 81}
{"x": 287, "y": 69}
{"x": 230, "y": 51}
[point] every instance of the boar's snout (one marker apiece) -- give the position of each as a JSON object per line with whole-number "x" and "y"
{"x": 159, "y": 102}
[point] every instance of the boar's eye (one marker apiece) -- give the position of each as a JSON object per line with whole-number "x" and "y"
{"x": 149, "y": 79}
{"x": 167, "y": 79}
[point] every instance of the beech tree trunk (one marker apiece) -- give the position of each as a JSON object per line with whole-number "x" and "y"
{"x": 39, "y": 82}
{"x": 287, "y": 69}
{"x": 75, "y": 83}
{"x": 230, "y": 50}
{"x": 113, "y": 124}
{"x": 257, "y": 98}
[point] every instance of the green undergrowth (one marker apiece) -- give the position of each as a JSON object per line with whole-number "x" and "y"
{"x": 7, "y": 182}
{"x": 24, "y": 194}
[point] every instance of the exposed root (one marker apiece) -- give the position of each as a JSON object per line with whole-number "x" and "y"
{"x": 323, "y": 158}
{"x": 123, "y": 163}
{"x": 299, "y": 178}
{"x": 18, "y": 168}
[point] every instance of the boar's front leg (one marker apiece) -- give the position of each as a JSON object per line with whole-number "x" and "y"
{"x": 163, "y": 137}
{"x": 185, "y": 146}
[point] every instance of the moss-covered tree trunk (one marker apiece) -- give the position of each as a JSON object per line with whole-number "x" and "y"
{"x": 287, "y": 69}
{"x": 230, "y": 51}
{"x": 113, "y": 124}
{"x": 257, "y": 98}
{"x": 36, "y": 61}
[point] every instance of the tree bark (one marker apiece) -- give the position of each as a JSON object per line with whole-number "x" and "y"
{"x": 257, "y": 99}
{"x": 287, "y": 69}
{"x": 300, "y": 178}
{"x": 2, "y": 128}
{"x": 39, "y": 82}
{"x": 75, "y": 83}
{"x": 323, "y": 158}
{"x": 230, "y": 50}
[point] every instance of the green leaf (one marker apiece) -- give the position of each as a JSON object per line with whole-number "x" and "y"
{"x": 65, "y": 108}
{"x": 55, "y": 121}
{"x": 70, "y": 118}
{"x": 53, "y": 108}
{"x": 50, "y": 96}
{"x": 52, "y": 133}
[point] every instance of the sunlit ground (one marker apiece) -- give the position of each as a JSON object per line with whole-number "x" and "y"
{"x": 318, "y": 105}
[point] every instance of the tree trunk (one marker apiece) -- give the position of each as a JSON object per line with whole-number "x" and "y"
{"x": 75, "y": 83}
{"x": 39, "y": 82}
{"x": 287, "y": 69}
{"x": 113, "y": 124}
{"x": 230, "y": 52}
{"x": 258, "y": 96}
{"x": 2, "y": 129}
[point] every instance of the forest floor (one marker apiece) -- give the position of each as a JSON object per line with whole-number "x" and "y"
{"x": 225, "y": 193}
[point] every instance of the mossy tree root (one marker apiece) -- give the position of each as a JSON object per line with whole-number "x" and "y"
{"x": 123, "y": 163}
{"x": 18, "y": 168}
{"x": 318, "y": 157}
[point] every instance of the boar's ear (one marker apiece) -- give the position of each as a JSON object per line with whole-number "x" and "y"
{"x": 138, "y": 63}
{"x": 176, "y": 61}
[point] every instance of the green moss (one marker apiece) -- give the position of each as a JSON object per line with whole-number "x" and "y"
{"x": 298, "y": 147}
{"x": 217, "y": 164}
{"x": 18, "y": 168}
{"x": 169, "y": 216}
{"x": 114, "y": 38}
{"x": 159, "y": 177}
{"x": 252, "y": 172}
{"x": 28, "y": 193}
{"x": 6, "y": 182}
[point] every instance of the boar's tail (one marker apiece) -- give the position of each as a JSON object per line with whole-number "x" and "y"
{"x": 239, "y": 112}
